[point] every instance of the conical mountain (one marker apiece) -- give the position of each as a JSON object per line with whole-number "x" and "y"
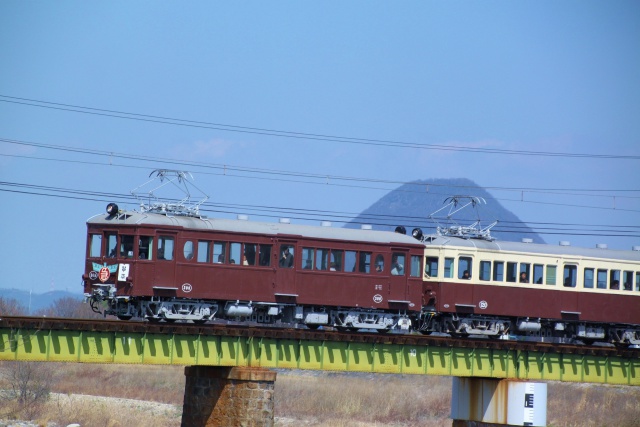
{"x": 412, "y": 204}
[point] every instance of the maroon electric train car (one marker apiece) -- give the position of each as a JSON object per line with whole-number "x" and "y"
{"x": 163, "y": 267}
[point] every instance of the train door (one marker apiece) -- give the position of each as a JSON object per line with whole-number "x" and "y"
{"x": 165, "y": 265}
{"x": 398, "y": 276}
{"x": 285, "y": 286}
{"x": 144, "y": 267}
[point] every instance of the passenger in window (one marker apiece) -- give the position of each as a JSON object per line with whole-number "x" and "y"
{"x": 333, "y": 267}
{"x": 221, "y": 259}
{"x": 307, "y": 265}
{"x": 286, "y": 260}
{"x": 396, "y": 268}
{"x": 379, "y": 263}
{"x": 466, "y": 275}
{"x": 524, "y": 278}
{"x": 615, "y": 284}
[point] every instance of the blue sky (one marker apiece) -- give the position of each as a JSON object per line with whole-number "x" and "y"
{"x": 529, "y": 76}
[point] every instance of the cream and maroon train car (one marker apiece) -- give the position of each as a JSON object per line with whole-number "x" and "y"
{"x": 483, "y": 287}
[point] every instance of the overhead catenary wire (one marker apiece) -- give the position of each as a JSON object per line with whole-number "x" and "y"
{"x": 293, "y": 134}
{"x": 340, "y": 217}
{"x": 324, "y": 177}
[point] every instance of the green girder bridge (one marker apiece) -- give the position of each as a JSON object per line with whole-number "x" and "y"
{"x": 118, "y": 342}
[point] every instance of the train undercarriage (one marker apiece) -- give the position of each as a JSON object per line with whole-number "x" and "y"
{"x": 156, "y": 309}
{"x": 533, "y": 329}
{"x": 200, "y": 311}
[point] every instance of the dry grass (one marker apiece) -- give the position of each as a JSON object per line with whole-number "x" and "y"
{"x": 339, "y": 399}
{"x": 305, "y": 399}
{"x": 586, "y": 405}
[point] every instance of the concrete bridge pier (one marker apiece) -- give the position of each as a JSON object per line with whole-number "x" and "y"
{"x": 490, "y": 402}
{"x": 228, "y": 397}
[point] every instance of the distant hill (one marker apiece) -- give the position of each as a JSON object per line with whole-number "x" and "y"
{"x": 411, "y": 204}
{"x": 36, "y": 301}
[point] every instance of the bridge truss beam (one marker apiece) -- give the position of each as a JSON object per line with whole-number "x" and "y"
{"x": 374, "y": 356}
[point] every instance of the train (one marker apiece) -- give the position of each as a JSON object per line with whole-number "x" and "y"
{"x": 164, "y": 266}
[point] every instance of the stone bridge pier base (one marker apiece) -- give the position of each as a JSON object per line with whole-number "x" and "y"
{"x": 228, "y": 397}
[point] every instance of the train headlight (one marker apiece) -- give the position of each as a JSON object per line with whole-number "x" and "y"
{"x": 112, "y": 209}
{"x": 401, "y": 230}
{"x": 417, "y": 234}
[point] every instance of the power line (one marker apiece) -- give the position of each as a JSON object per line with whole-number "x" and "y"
{"x": 340, "y": 217}
{"x": 293, "y": 134}
{"x": 225, "y": 170}
{"x": 231, "y": 168}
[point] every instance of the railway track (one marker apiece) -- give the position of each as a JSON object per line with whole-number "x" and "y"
{"x": 284, "y": 333}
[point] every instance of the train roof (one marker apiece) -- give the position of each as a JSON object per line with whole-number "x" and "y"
{"x": 533, "y": 248}
{"x": 260, "y": 228}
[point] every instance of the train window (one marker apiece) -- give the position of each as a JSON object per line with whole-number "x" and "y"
{"x": 95, "y": 245}
{"x": 249, "y": 257}
{"x": 615, "y": 279}
{"x": 165, "y": 248}
{"x": 431, "y": 266}
{"x": 464, "y": 268}
{"x": 204, "y": 250}
{"x": 628, "y": 280}
{"x": 364, "y": 263}
{"x": 187, "y": 250}
{"x": 336, "y": 260}
{"x": 448, "y": 267}
{"x": 397, "y": 264}
{"x": 379, "y": 263}
{"x": 637, "y": 281}
{"x": 498, "y": 271}
{"x": 308, "y": 258}
{"x": 588, "y": 278}
{"x": 235, "y": 249}
{"x": 416, "y": 265}
{"x": 219, "y": 252}
{"x": 537, "y": 273}
{"x": 524, "y": 272}
{"x": 350, "y": 260}
{"x": 602, "y": 279}
{"x": 265, "y": 255}
{"x": 511, "y": 271}
{"x": 570, "y": 273}
{"x": 112, "y": 245}
{"x": 126, "y": 246}
{"x": 145, "y": 243}
{"x": 322, "y": 258}
{"x": 551, "y": 275}
{"x": 286, "y": 256}
{"x": 485, "y": 270}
